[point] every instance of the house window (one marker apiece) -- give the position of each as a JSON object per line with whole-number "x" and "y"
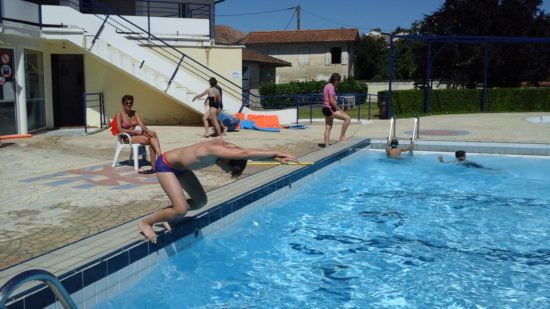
{"x": 336, "y": 55}
{"x": 303, "y": 56}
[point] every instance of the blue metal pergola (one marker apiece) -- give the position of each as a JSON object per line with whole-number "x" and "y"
{"x": 459, "y": 39}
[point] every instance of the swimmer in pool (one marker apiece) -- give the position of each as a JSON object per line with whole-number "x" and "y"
{"x": 393, "y": 151}
{"x": 460, "y": 158}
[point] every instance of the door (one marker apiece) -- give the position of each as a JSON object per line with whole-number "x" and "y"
{"x": 67, "y": 90}
{"x": 34, "y": 89}
{"x": 8, "y": 117}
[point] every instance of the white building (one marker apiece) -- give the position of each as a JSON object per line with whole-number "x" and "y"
{"x": 62, "y": 58}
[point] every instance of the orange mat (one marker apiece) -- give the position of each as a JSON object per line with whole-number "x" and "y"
{"x": 265, "y": 121}
{"x": 241, "y": 117}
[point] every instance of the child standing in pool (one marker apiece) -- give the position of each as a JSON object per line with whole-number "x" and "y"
{"x": 331, "y": 110}
{"x": 393, "y": 151}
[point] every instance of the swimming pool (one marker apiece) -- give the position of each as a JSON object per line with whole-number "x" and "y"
{"x": 373, "y": 232}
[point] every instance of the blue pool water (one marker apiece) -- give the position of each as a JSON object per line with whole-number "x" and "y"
{"x": 376, "y": 233}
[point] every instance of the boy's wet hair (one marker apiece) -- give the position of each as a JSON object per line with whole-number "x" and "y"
{"x": 213, "y": 82}
{"x": 394, "y": 143}
{"x": 237, "y": 167}
{"x": 460, "y": 153}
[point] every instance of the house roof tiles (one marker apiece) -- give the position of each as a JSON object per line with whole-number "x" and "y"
{"x": 225, "y": 35}
{"x": 253, "y": 56}
{"x": 301, "y": 36}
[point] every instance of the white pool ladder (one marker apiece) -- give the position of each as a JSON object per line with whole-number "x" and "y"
{"x": 415, "y": 131}
{"x": 391, "y": 134}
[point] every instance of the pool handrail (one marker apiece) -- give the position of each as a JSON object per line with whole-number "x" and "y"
{"x": 41, "y": 275}
{"x": 416, "y": 129}
{"x": 391, "y": 134}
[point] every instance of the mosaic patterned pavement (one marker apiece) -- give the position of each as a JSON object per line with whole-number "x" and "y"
{"x": 51, "y": 197}
{"x": 67, "y": 205}
{"x": 117, "y": 178}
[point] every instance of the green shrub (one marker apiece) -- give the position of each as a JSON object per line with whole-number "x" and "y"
{"x": 411, "y": 102}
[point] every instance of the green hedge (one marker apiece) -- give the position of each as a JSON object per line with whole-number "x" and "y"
{"x": 289, "y": 94}
{"x": 348, "y": 85}
{"x": 411, "y": 102}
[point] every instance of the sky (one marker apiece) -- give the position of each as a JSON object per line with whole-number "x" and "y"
{"x": 326, "y": 14}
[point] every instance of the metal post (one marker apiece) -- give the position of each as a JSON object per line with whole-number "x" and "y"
{"x": 369, "y": 100}
{"x": 99, "y": 32}
{"x": 427, "y": 86}
{"x": 297, "y": 109}
{"x": 310, "y": 110}
{"x": 148, "y": 19}
{"x": 485, "y": 68}
{"x": 40, "y": 15}
{"x": 84, "y": 111}
{"x": 389, "y": 112}
{"x": 102, "y": 110}
{"x": 298, "y": 10}
{"x": 174, "y": 74}
{"x": 358, "y": 111}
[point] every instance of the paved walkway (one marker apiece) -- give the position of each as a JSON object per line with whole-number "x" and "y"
{"x": 59, "y": 187}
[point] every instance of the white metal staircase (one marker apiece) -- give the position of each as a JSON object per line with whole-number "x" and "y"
{"x": 114, "y": 48}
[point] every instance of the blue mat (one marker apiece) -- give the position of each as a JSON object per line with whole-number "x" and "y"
{"x": 250, "y": 125}
{"x": 295, "y": 127}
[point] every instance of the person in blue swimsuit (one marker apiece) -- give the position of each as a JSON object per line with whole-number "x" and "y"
{"x": 460, "y": 157}
{"x": 174, "y": 170}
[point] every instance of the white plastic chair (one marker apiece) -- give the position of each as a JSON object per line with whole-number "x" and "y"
{"x": 124, "y": 140}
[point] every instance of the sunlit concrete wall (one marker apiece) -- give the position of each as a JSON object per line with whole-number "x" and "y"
{"x": 153, "y": 106}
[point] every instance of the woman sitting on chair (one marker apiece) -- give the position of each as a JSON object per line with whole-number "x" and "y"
{"x": 129, "y": 121}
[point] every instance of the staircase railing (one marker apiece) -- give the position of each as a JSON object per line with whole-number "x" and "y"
{"x": 37, "y": 275}
{"x": 169, "y": 52}
{"x": 94, "y": 100}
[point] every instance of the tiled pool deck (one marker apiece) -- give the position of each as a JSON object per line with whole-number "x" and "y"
{"x": 87, "y": 261}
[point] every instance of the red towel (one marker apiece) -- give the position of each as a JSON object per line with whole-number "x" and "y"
{"x": 114, "y": 127}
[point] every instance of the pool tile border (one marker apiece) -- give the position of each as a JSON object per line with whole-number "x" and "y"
{"x": 184, "y": 232}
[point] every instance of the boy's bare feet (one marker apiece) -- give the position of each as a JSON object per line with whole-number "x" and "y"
{"x": 167, "y": 226}
{"x": 148, "y": 231}
{"x": 344, "y": 138}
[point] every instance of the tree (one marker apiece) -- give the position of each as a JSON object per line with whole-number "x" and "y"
{"x": 462, "y": 65}
{"x": 371, "y": 58}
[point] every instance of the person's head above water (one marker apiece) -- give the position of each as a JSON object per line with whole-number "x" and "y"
{"x": 460, "y": 155}
{"x": 394, "y": 143}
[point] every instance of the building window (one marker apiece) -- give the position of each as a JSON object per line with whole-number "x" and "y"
{"x": 336, "y": 55}
{"x": 303, "y": 56}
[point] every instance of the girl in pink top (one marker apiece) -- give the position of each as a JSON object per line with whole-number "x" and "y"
{"x": 331, "y": 109}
